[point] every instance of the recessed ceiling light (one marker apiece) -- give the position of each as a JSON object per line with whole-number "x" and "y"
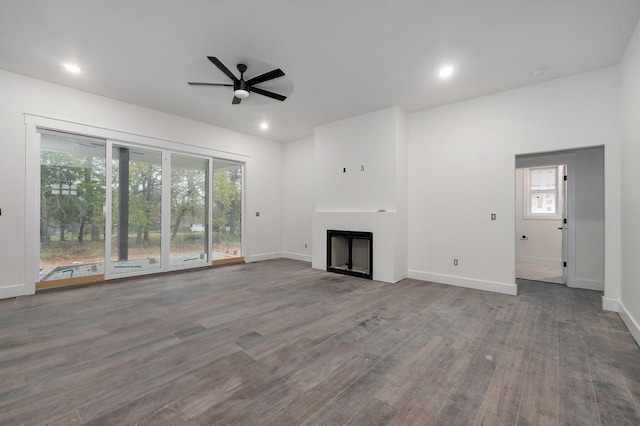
{"x": 72, "y": 68}
{"x": 264, "y": 125}
{"x": 539, "y": 71}
{"x": 445, "y": 72}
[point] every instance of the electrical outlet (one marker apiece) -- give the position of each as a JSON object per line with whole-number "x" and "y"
{"x": 493, "y": 216}
{"x": 455, "y": 262}
{"x": 257, "y": 214}
{"x": 305, "y": 246}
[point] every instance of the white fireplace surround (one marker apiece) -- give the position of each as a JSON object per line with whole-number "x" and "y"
{"x": 389, "y": 240}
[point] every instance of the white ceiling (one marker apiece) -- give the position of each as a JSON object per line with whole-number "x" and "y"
{"x": 341, "y": 57}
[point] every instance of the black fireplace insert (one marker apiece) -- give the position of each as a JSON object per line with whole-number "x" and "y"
{"x": 350, "y": 253}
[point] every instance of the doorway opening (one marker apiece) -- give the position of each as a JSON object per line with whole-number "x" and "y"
{"x": 574, "y": 209}
{"x": 541, "y": 208}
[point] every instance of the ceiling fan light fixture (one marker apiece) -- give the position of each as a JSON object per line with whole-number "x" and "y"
{"x": 241, "y": 94}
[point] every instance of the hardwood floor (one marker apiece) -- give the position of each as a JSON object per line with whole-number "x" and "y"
{"x": 276, "y": 342}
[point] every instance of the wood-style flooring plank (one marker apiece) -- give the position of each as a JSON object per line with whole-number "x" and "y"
{"x": 277, "y": 342}
{"x": 502, "y": 399}
{"x": 577, "y": 402}
{"x": 539, "y": 403}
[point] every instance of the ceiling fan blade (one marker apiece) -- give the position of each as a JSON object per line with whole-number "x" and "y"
{"x": 268, "y": 93}
{"x": 265, "y": 77}
{"x": 192, "y": 83}
{"x": 236, "y": 100}
{"x": 224, "y": 69}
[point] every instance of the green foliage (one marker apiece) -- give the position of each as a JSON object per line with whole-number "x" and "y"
{"x": 72, "y": 194}
{"x": 188, "y": 197}
{"x": 227, "y": 205}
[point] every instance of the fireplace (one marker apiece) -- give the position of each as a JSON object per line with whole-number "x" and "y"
{"x": 350, "y": 253}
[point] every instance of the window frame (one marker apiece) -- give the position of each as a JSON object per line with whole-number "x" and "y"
{"x": 528, "y": 192}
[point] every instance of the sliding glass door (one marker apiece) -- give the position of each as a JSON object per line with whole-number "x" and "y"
{"x": 227, "y": 211}
{"x": 72, "y": 194}
{"x": 189, "y": 240}
{"x": 136, "y": 194}
{"x": 112, "y": 209}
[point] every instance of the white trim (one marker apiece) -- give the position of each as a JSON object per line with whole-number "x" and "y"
{"x": 108, "y": 209}
{"x": 612, "y": 305}
{"x": 588, "y": 284}
{"x": 209, "y": 227}
{"x": 504, "y": 288}
{"x": 129, "y": 138}
{"x": 7, "y": 292}
{"x": 539, "y": 260}
{"x": 297, "y": 256}
{"x": 263, "y": 256}
{"x": 630, "y": 322}
{"x": 32, "y": 215}
{"x": 165, "y": 210}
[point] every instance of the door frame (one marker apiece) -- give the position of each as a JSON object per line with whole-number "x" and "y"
{"x": 568, "y": 159}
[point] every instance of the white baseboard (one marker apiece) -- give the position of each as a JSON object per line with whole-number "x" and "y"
{"x": 15, "y": 291}
{"x": 263, "y": 256}
{"x": 539, "y": 260}
{"x": 504, "y": 288}
{"x": 296, "y": 256}
{"x": 630, "y": 322}
{"x": 612, "y": 305}
{"x": 588, "y": 284}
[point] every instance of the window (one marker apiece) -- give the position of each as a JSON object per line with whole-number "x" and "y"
{"x": 543, "y": 192}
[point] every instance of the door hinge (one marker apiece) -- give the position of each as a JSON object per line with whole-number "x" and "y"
{"x": 565, "y": 177}
{"x": 564, "y": 264}
{"x": 565, "y": 221}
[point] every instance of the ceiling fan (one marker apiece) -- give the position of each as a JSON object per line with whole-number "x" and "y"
{"x": 242, "y": 88}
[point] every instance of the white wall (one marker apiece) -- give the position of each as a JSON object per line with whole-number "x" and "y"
{"x": 22, "y": 95}
{"x": 298, "y": 199}
{"x": 462, "y": 169}
{"x": 349, "y": 198}
{"x": 630, "y": 112}
{"x": 366, "y": 140}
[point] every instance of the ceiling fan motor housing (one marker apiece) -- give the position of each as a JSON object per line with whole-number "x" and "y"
{"x": 241, "y": 85}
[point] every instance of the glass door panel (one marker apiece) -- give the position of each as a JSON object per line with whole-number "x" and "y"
{"x": 227, "y": 210}
{"x": 189, "y": 212}
{"x": 72, "y": 196}
{"x": 136, "y": 210}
